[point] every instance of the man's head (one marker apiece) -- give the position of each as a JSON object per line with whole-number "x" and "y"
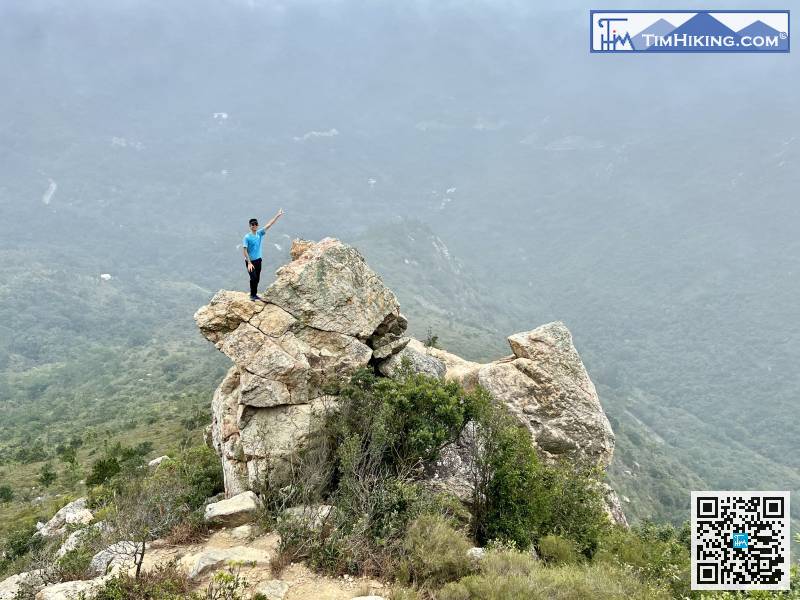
{"x": 253, "y": 225}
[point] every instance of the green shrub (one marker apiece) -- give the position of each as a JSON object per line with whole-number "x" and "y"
{"x": 435, "y": 552}
{"x": 118, "y": 459}
{"x": 657, "y": 553}
{"x": 409, "y": 418}
{"x": 6, "y": 493}
{"x": 165, "y": 582}
{"x": 103, "y": 469}
{"x": 575, "y": 505}
{"x": 403, "y": 593}
{"x": 513, "y": 502}
{"x": 365, "y": 462}
{"x": 74, "y": 564}
{"x": 21, "y": 541}
{"x": 520, "y": 499}
{"x": 557, "y": 550}
{"x": 199, "y": 468}
{"x": 508, "y": 563}
{"x": 567, "y": 582}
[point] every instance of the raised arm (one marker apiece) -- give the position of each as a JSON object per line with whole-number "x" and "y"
{"x": 273, "y": 219}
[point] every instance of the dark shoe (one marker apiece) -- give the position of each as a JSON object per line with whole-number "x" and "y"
{"x": 254, "y": 298}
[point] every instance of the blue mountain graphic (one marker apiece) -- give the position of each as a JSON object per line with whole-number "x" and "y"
{"x": 762, "y": 29}
{"x": 700, "y": 24}
{"x": 660, "y": 28}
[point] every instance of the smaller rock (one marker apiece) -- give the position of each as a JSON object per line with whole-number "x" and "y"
{"x": 113, "y": 558}
{"x": 157, "y": 461}
{"x": 274, "y": 589}
{"x": 299, "y": 246}
{"x": 238, "y": 510}
{"x": 12, "y": 586}
{"x": 313, "y": 516}
{"x": 613, "y": 505}
{"x": 74, "y": 539}
{"x": 417, "y": 362}
{"x": 195, "y": 565}
{"x": 476, "y": 553}
{"x": 242, "y": 532}
{"x": 389, "y": 348}
{"x": 72, "y": 590}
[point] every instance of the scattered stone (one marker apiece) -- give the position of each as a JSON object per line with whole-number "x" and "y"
{"x": 243, "y": 532}
{"x": 476, "y": 553}
{"x": 274, "y": 589}
{"x": 157, "y": 461}
{"x": 235, "y": 511}
{"x": 313, "y": 516}
{"x": 12, "y": 586}
{"x": 195, "y": 565}
{"x": 75, "y": 538}
{"x": 110, "y": 560}
{"x": 72, "y": 590}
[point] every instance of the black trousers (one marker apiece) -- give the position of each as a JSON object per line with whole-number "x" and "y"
{"x": 255, "y": 275}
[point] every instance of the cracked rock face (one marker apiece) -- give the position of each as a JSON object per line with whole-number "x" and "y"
{"x": 326, "y": 315}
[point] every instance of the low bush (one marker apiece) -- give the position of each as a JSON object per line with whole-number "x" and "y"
{"x": 519, "y": 499}
{"x": 656, "y": 553}
{"x": 555, "y": 550}
{"x": 366, "y": 462}
{"x": 520, "y": 578}
{"x": 165, "y": 582}
{"x": 190, "y": 530}
{"x": 408, "y": 418}
{"x": 435, "y": 552}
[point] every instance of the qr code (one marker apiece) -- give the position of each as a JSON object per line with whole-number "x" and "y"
{"x": 740, "y": 540}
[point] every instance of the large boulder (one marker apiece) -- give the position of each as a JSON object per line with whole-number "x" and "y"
{"x": 206, "y": 561}
{"x": 330, "y": 287}
{"x": 323, "y": 316}
{"x": 232, "y": 512}
{"x": 328, "y": 314}
{"x": 74, "y": 513}
{"x": 548, "y": 389}
{"x": 21, "y": 585}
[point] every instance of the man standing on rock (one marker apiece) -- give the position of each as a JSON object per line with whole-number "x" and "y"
{"x": 251, "y": 247}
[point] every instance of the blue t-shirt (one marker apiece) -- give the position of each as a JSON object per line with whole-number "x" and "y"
{"x": 252, "y": 241}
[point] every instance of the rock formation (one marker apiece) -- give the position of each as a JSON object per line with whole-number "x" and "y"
{"x": 326, "y": 315}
